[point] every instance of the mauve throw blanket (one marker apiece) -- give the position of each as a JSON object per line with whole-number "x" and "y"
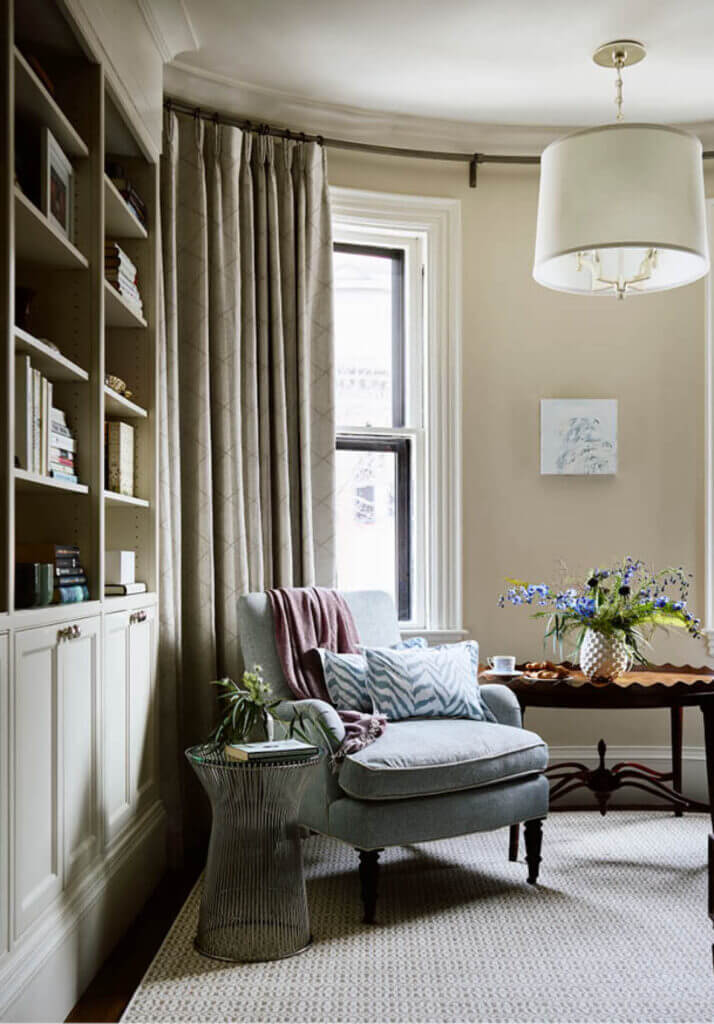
{"x": 310, "y": 617}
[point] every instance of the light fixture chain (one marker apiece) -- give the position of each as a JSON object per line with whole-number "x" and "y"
{"x": 619, "y": 60}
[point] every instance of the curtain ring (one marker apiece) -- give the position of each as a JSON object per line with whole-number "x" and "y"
{"x": 319, "y": 140}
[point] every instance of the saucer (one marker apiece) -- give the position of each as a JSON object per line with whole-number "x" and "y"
{"x": 501, "y": 675}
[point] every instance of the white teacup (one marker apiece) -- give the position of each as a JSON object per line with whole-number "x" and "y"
{"x": 502, "y": 664}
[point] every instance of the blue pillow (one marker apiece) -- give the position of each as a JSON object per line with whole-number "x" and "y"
{"x": 436, "y": 682}
{"x": 345, "y": 675}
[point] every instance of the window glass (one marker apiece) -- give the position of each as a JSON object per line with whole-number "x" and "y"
{"x": 368, "y": 336}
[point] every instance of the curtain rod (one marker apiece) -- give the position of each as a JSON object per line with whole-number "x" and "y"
{"x": 472, "y": 159}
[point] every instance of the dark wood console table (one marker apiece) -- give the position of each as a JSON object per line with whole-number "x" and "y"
{"x": 657, "y": 686}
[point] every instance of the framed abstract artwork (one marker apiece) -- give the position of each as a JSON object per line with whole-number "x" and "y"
{"x": 578, "y": 436}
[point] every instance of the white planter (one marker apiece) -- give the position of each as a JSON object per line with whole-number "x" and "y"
{"x": 603, "y": 657}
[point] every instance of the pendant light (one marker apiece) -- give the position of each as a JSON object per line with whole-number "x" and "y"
{"x": 621, "y": 208}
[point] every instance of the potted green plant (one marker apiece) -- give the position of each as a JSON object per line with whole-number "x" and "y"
{"x": 247, "y": 713}
{"x": 611, "y": 614}
{"x": 246, "y": 709}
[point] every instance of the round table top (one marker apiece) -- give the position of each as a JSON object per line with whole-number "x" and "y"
{"x": 650, "y": 687}
{"x": 212, "y": 755}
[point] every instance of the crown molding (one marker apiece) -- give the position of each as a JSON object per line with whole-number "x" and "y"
{"x": 220, "y": 92}
{"x": 170, "y": 26}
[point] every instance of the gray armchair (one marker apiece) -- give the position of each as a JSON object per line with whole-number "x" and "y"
{"x": 423, "y": 779}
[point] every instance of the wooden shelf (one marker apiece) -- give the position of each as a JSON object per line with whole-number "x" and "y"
{"x": 34, "y": 102}
{"x": 117, "y": 311}
{"x": 117, "y": 405}
{"x": 52, "y": 364}
{"x": 27, "y": 481}
{"x": 38, "y": 241}
{"x": 119, "y": 221}
{"x": 114, "y": 498}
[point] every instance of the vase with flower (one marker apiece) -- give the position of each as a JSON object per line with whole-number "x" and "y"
{"x": 611, "y": 614}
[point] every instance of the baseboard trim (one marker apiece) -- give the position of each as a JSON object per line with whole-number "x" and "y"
{"x": 624, "y": 753}
{"x": 34, "y": 951}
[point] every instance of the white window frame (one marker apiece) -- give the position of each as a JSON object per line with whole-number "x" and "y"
{"x": 432, "y": 230}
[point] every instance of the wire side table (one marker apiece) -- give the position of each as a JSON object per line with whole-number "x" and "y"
{"x": 253, "y": 905}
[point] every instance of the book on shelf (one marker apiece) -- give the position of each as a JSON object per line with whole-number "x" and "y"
{"x": 121, "y": 273}
{"x": 43, "y": 441}
{"x": 124, "y": 589}
{"x": 271, "y": 750}
{"x": 70, "y": 595}
{"x": 69, "y": 578}
{"x": 23, "y": 411}
{"x": 119, "y": 457}
{"x": 117, "y": 174}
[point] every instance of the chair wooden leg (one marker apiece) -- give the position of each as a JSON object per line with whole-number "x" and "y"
{"x": 514, "y": 834}
{"x": 368, "y": 875}
{"x": 533, "y": 839}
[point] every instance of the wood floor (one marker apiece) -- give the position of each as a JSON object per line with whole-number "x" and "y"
{"x": 108, "y": 994}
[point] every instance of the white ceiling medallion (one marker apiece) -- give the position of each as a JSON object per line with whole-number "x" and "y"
{"x": 621, "y": 207}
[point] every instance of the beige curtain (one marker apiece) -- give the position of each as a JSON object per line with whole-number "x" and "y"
{"x": 247, "y": 403}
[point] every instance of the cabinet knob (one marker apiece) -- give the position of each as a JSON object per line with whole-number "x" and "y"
{"x": 139, "y": 616}
{"x": 69, "y": 632}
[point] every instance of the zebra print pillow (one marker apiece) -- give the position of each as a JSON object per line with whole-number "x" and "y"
{"x": 434, "y": 682}
{"x": 345, "y": 675}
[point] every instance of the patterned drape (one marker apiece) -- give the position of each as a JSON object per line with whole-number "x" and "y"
{"x": 247, "y": 402}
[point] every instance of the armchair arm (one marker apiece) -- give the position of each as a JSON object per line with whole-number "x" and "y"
{"x": 503, "y": 703}
{"x": 314, "y": 711}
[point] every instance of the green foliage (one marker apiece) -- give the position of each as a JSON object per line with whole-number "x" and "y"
{"x": 628, "y": 602}
{"x": 247, "y": 704}
{"x": 243, "y": 706}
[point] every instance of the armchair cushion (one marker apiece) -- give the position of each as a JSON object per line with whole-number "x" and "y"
{"x": 345, "y": 675}
{"x": 423, "y": 757}
{"x": 436, "y": 682}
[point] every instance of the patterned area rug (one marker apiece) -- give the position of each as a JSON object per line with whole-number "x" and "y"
{"x": 617, "y": 931}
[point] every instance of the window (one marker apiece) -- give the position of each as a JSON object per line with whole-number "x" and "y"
{"x": 374, "y": 443}
{"x": 397, "y": 403}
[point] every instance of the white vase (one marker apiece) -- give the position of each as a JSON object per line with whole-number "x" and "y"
{"x": 603, "y": 657}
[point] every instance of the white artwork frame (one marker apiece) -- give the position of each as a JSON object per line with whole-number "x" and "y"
{"x": 57, "y": 185}
{"x": 578, "y": 436}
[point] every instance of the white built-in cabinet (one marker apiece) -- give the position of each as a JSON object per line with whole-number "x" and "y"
{"x": 56, "y": 724}
{"x": 130, "y": 747}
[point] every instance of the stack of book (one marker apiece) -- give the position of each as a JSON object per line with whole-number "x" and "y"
{"x": 271, "y": 750}
{"x": 119, "y": 457}
{"x": 43, "y": 441}
{"x": 128, "y": 193}
{"x": 121, "y": 274}
{"x": 70, "y": 579}
{"x": 63, "y": 448}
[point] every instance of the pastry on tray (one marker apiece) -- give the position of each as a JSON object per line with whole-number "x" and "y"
{"x": 545, "y": 670}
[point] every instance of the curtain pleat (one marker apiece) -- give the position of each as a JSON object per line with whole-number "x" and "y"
{"x": 247, "y": 407}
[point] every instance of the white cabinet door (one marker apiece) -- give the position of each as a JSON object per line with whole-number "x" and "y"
{"x": 117, "y": 784}
{"x": 4, "y": 803}
{"x": 143, "y": 714}
{"x": 78, "y": 666}
{"x": 37, "y": 792}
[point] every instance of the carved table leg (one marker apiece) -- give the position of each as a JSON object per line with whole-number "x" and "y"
{"x": 676, "y": 722}
{"x": 533, "y": 839}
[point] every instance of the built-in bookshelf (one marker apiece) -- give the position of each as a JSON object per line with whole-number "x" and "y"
{"x": 76, "y": 326}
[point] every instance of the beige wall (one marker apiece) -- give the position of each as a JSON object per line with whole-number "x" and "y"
{"x": 522, "y": 343}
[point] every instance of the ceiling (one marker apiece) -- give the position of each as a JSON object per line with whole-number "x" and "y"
{"x": 501, "y": 62}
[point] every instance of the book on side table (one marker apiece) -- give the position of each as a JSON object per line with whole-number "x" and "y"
{"x": 270, "y": 750}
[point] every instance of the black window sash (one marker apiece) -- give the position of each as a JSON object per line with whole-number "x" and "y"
{"x": 401, "y": 446}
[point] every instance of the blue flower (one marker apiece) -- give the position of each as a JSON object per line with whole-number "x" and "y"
{"x": 661, "y": 602}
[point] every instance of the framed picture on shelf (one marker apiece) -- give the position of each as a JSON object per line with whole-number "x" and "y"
{"x": 57, "y": 185}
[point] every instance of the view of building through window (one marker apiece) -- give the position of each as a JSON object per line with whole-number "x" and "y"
{"x": 372, "y": 470}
